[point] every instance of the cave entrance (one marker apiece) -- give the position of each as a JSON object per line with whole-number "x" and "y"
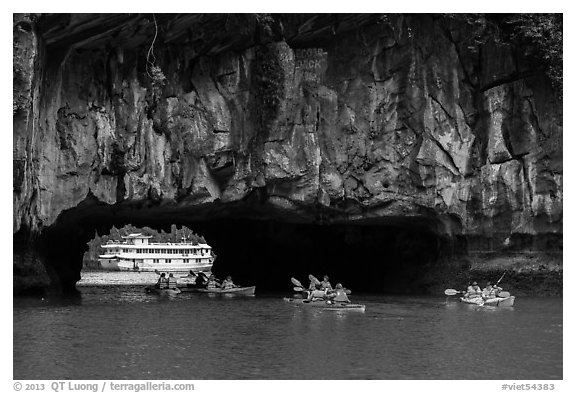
{"x": 379, "y": 255}
{"x": 366, "y": 257}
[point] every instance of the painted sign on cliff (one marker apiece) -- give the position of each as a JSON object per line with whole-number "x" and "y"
{"x": 310, "y": 63}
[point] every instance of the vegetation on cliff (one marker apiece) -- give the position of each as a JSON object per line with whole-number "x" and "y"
{"x": 541, "y": 35}
{"x": 537, "y": 37}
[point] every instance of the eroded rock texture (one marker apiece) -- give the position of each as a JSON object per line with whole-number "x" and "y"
{"x": 330, "y": 119}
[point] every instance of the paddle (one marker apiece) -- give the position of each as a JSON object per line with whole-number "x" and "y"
{"x": 451, "y": 292}
{"x": 495, "y": 285}
{"x": 312, "y": 278}
{"x": 299, "y": 287}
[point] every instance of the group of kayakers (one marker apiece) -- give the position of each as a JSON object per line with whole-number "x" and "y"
{"x": 200, "y": 281}
{"x": 164, "y": 282}
{"x": 322, "y": 290}
{"x": 489, "y": 292}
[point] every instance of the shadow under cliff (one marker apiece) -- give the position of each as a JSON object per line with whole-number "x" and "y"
{"x": 259, "y": 246}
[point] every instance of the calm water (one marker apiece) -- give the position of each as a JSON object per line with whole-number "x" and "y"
{"x": 119, "y": 332}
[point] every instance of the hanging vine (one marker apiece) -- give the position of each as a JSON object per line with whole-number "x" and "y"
{"x": 154, "y": 72}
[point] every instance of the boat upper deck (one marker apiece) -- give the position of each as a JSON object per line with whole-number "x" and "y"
{"x": 157, "y": 245}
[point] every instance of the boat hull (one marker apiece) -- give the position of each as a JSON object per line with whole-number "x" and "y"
{"x": 500, "y": 302}
{"x": 495, "y": 302}
{"x": 475, "y": 300}
{"x": 109, "y": 264}
{"x": 246, "y": 291}
{"x": 163, "y": 292}
{"x": 129, "y": 266}
{"x": 327, "y": 305}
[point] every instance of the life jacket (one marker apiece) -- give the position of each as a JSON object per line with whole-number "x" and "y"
{"x": 341, "y": 296}
{"x": 162, "y": 283}
{"x": 227, "y": 284}
{"x": 489, "y": 292}
{"x": 318, "y": 294}
{"x": 172, "y": 283}
{"x": 326, "y": 285}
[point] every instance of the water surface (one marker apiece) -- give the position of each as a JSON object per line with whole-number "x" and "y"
{"x": 114, "y": 330}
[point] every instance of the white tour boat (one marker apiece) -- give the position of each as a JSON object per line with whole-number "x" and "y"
{"x": 137, "y": 254}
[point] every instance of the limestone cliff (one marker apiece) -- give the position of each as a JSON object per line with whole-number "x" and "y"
{"x": 321, "y": 118}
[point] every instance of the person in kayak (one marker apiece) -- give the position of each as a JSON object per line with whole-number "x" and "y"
{"x": 172, "y": 282}
{"x": 317, "y": 293}
{"x": 313, "y": 283}
{"x": 228, "y": 283}
{"x": 339, "y": 295}
{"x": 496, "y": 289}
{"x": 162, "y": 282}
{"x": 326, "y": 284}
{"x": 488, "y": 292}
{"x": 201, "y": 280}
{"x": 212, "y": 283}
{"x": 473, "y": 291}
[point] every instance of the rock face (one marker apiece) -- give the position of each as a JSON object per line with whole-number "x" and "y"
{"x": 341, "y": 119}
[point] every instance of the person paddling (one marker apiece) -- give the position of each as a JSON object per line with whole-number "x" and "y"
{"x": 317, "y": 294}
{"x": 326, "y": 284}
{"x": 488, "y": 292}
{"x": 162, "y": 282}
{"x": 201, "y": 280}
{"x": 228, "y": 283}
{"x": 212, "y": 284}
{"x": 340, "y": 294}
{"x": 172, "y": 282}
{"x": 473, "y": 291}
{"x": 496, "y": 290}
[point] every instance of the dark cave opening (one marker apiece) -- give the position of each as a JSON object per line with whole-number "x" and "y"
{"x": 378, "y": 255}
{"x": 367, "y": 258}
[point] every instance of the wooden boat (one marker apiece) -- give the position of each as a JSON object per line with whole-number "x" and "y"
{"x": 164, "y": 291}
{"x": 246, "y": 291}
{"x": 327, "y": 304}
{"x": 494, "y": 302}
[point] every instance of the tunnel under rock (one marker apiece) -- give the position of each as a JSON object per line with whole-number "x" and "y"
{"x": 366, "y": 257}
{"x": 259, "y": 246}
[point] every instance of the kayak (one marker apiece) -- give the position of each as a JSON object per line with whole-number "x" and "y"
{"x": 327, "y": 304}
{"x": 473, "y": 300}
{"x": 247, "y": 291}
{"x": 494, "y": 302}
{"x": 163, "y": 292}
{"x": 500, "y": 301}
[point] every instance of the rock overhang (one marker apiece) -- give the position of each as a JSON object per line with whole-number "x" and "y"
{"x": 360, "y": 120}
